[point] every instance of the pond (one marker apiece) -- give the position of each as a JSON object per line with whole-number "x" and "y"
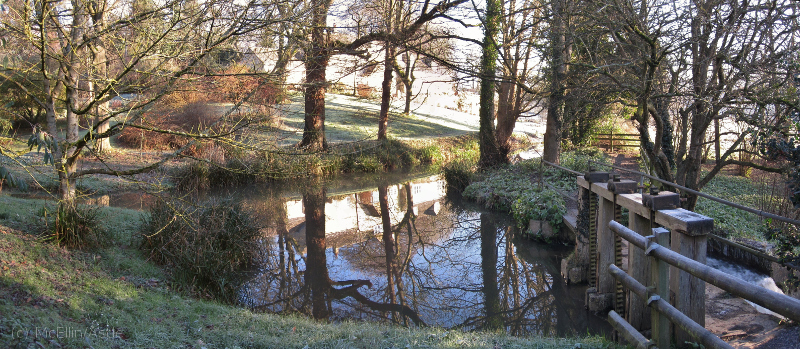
{"x": 327, "y": 254}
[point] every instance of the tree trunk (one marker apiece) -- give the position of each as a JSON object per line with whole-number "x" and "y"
{"x": 717, "y": 154}
{"x": 555, "y": 117}
{"x": 317, "y": 58}
{"x": 386, "y": 87}
{"x": 406, "y": 76}
{"x": 491, "y": 155}
{"x": 409, "y": 94}
{"x": 408, "y": 82}
{"x": 67, "y": 160}
{"x": 506, "y": 117}
{"x": 100, "y": 64}
{"x": 702, "y": 54}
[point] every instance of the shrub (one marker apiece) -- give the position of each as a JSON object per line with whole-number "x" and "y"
{"x": 510, "y": 189}
{"x": 210, "y": 248}
{"x": 193, "y": 176}
{"x": 545, "y": 205}
{"x": 232, "y": 86}
{"x": 431, "y": 154}
{"x": 74, "y": 226}
{"x": 458, "y": 174}
{"x": 201, "y": 175}
{"x": 578, "y": 159}
{"x": 188, "y": 118}
{"x": 367, "y": 164}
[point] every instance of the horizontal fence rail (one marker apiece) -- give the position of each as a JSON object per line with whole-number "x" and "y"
{"x": 626, "y": 330}
{"x": 619, "y": 140}
{"x": 779, "y": 303}
{"x": 705, "y": 337}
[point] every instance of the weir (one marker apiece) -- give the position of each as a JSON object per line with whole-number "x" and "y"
{"x": 661, "y": 287}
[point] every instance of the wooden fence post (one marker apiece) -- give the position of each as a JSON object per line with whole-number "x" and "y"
{"x": 690, "y": 239}
{"x": 659, "y": 276}
{"x": 611, "y": 140}
{"x": 639, "y": 268}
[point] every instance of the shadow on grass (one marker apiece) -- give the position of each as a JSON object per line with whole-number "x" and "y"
{"x": 364, "y": 121}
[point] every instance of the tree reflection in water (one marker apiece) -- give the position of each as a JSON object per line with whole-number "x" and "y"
{"x": 441, "y": 266}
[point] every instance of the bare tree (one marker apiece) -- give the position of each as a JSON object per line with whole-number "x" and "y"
{"x": 322, "y": 47}
{"x": 696, "y": 65}
{"x": 83, "y": 55}
{"x": 432, "y": 41}
{"x": 560, "y": 51}
{"x": 522, "y": 24}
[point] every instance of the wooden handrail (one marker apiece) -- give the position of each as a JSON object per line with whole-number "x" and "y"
{"x": 779, "y": 303}
{"x": 703, "y": 335}
{"x": 714, "y": 198}
{"x": 626, "y": 330}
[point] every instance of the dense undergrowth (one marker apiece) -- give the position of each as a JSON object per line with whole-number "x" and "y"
{"x": 744, "y": 191}
{"x": 527, "y": 190}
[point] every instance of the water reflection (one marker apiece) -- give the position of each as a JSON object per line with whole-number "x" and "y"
{"x": 403, "y": 254}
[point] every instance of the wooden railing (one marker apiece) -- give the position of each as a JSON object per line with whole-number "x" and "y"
{"x": 619, "y": 140}
{"x": 661, "y": 256}
{"x": 664, "y": 288}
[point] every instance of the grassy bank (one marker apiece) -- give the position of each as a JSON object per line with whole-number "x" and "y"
{"x": 364, "y": 157}
{"x": 112, "y": 297}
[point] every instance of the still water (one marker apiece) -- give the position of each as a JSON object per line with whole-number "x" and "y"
{"x": 401, "y": 251}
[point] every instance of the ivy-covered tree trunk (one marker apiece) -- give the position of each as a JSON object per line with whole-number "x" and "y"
{"x": 558, "y": 57}
{"x": 490, "y": 152}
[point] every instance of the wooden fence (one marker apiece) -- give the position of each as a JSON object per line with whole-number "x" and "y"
{"x": 619, "y": 140}
{"x": 664, "y": 288}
